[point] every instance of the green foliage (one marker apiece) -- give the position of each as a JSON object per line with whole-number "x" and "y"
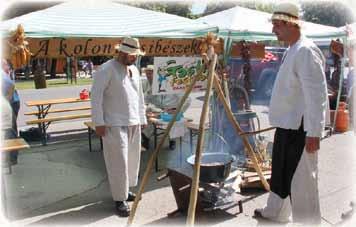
{"x": 182, "y": 9}
{"x": 216, "y": 6}
{"x": 331, "y": 13}
{"x": 61, "y": 82}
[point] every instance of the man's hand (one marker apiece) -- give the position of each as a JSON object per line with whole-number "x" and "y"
{"x": 312, "y": 144}
{"x": 170, "y": 110}
{"x": 100, "y": 130}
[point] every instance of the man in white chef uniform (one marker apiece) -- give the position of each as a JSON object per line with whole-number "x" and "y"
{"x": 118, "y": 112}
{"x": 298, "y": 110}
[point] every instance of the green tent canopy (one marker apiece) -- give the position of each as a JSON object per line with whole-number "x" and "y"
{"x": 243, "y": 23}
{"x": 107, "y": 19}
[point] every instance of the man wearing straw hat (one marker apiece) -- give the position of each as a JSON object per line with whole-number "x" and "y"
{"x": 118, "y": 112}
{"x": 298, "y": 111}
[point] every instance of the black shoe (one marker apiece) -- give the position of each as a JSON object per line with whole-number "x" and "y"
{"x": 258, "y": 213}
{"x": 122, "y": 208}
{"x": 145, "y": 142}
{"x": 131, "y": 197}
{"x": 172, "y": 145}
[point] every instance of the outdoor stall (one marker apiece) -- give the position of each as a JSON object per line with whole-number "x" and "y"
{"x": 63, "y": 35}
{"x": 160, "y": 35}
{"x": 260, "y": 29}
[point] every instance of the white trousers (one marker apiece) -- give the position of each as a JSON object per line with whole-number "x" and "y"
{"x": 122, "y": 150}
{"x": 304, "y": 202}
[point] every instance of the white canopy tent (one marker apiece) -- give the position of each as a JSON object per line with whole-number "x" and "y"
{"x": 242, "y": 23}
{"x": 107, "y": 19}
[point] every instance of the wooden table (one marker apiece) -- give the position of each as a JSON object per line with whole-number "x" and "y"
{"x": 158, "y": 129}
{"x": 44, "y": 108}
{"x": 193, "y": 128}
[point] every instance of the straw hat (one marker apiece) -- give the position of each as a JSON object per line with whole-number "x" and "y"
{"x": 130, "y": 46}
{"x": 288, "y": 12}
{"x": 150, "y": 67}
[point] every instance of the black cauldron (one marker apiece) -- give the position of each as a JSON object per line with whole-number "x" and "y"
{"x": 214, "y": 167}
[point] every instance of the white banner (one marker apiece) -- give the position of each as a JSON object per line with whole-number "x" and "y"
{"x": 174, "y": 74}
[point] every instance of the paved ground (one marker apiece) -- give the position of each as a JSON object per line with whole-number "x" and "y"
{"x": 64, "y": 184}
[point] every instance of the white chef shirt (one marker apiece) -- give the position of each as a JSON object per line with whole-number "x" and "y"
{"x": 300, "y": 90}
{"x": 116, "y": 97}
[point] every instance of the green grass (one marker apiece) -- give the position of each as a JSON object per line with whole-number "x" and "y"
{"x": 62, "y": 82}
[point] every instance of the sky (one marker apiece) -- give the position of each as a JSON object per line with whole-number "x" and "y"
{"x": 198, "y": 7}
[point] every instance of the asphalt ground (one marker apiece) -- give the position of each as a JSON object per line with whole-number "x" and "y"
{"x": 63, "y": 184}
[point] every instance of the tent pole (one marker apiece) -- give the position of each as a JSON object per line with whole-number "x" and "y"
{"x": 228, "y": 44}
{"x": 239, "y": 131}
{"x": 344, "y": 40}
{"x": 158, "y": 148}
{"x": 196, "y": 172}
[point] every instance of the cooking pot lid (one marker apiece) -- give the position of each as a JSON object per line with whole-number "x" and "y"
{"x": 213, "y": 159}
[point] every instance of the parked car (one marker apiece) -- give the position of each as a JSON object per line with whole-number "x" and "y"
{"x": 263, "y": 71}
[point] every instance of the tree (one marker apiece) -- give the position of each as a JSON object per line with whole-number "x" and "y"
{"x": 224, "y": 5}
{"x": 182, "y": 9}
{"x": 327, "y": 13}
{"x": 218, "y": 6}
{"x": 332, "y": 13}
{"x": 20, "y": 8}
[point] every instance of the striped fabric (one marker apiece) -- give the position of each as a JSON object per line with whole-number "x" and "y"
{"x": 104, "y": 19}
{"x": 243, "y": 23}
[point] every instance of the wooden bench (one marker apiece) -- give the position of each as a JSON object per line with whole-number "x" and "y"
{"x": 44, "y": 108}
{"x": 43, "y": 123}
{"x": 91, "y": 129}
{"x": 15, "y": 144}
{"x": 61, "y": 110}
{"x": 59, "y": 118}
{"x": 9, "y": 145}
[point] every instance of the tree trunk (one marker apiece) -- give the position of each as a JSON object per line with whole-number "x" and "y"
{"x": 53, "y": 68}
{"x": 39, "y": 76}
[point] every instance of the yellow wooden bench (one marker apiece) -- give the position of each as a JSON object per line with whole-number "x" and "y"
{"x": 9, "y": 145}
{"x": 61, "y": 110}
{"x": 43, "y": 123}
{"x": 58, "y": 118}
{"x": 91, "y": 129}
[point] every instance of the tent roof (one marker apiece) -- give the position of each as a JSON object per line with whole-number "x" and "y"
{"x": 107, "y": 19}
{"x": 248, "y": 24}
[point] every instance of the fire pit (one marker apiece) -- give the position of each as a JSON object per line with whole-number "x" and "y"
{"x": 214, "y": 167}
{"x": 217, "y": 194}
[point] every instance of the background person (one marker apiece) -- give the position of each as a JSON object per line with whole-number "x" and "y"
{"x": 158, "y": 103}
{"x": 298, "y": 109}
{"x": 10, "y": 93}
{"x": 350, "y": 81}
{"x": 118, "y": 112}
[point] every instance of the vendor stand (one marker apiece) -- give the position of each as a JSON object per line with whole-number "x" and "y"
{"x": 180, "y": 37}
